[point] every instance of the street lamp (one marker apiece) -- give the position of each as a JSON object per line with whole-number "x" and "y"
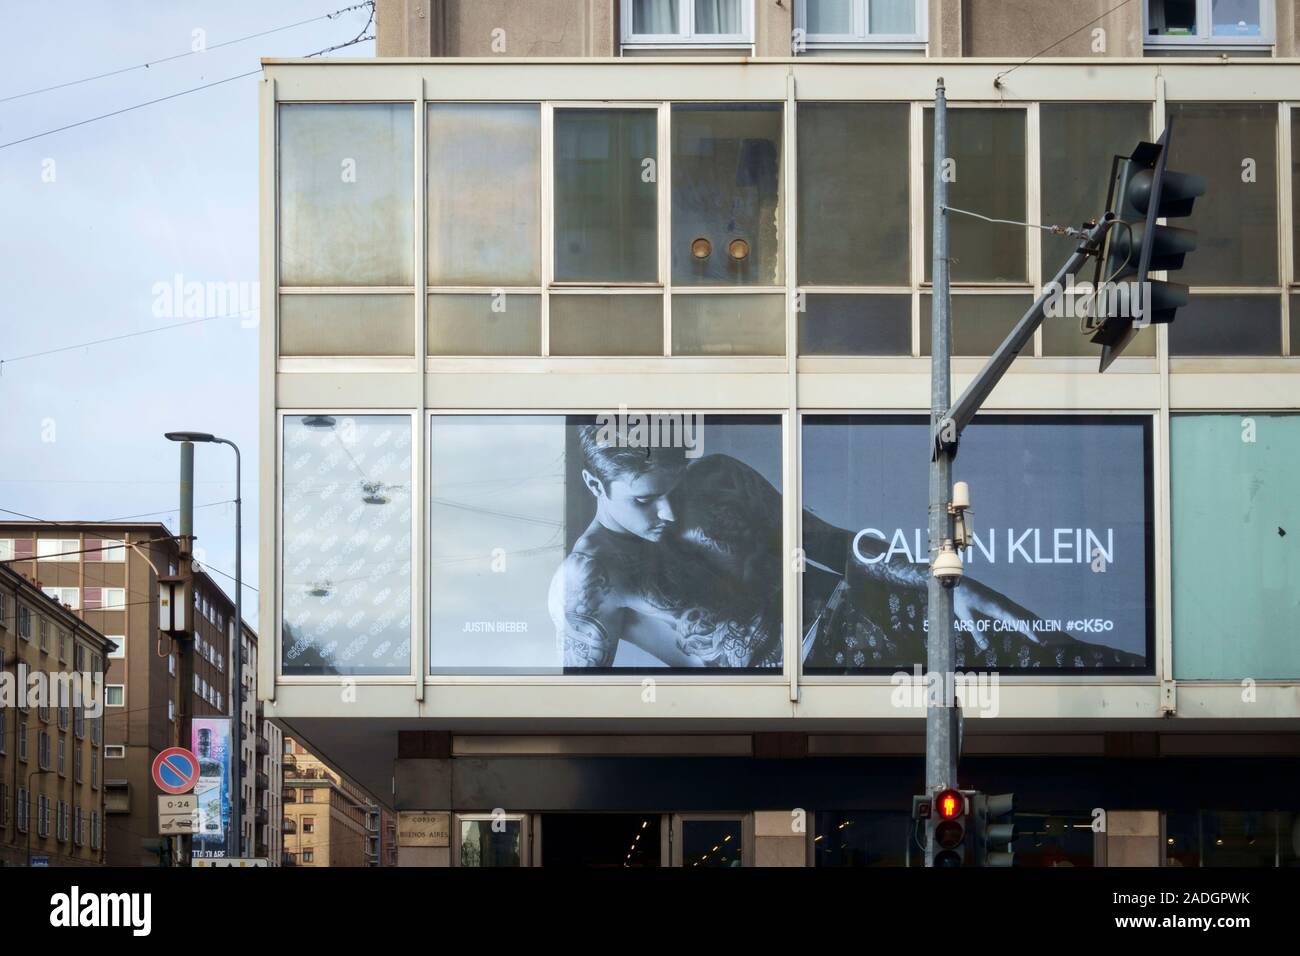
{"x": 237, "y": 824}
{"x": 30, "y": 801}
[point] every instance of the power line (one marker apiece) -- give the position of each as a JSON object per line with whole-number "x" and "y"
{"x": 128, "y": 335}
{"x": 178, "y": 56}
{"x": 170, "y": 96}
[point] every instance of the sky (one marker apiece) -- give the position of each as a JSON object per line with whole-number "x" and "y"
{"x": 98, "y": 220}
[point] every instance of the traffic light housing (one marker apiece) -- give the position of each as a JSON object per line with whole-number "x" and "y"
{"x": 995, "y": 829}
{"x": 1143, "y": 190}
{"x": 951, "y": 809}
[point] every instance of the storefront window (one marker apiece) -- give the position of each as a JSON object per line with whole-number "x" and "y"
{"x": 622, "y": 542}
{"x": 987, "y": 176}
{"x": 726, "y": 185}
{"x": 1058, "y": 575}
{"x": 490, "y": 842}
{"x": 346, "y": 194}
{"x": 484, "y": 185}
{"x": 606, "y": 197}
{"x": 853, "y": 194}
{"x": 1235, "y": 570}
{"x": 346, "y": 562}
{"x": 865, "y": 838}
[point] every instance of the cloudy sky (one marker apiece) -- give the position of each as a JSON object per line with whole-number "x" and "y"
{"x": 98, "y": 218}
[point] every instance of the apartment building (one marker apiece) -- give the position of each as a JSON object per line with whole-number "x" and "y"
{"x": 594, "y": 429}
{"x": 269, "y": 821}
{"x": 51, "y": 746}
{"x": 328, "y": 819}
{"x": 107, "y": 574}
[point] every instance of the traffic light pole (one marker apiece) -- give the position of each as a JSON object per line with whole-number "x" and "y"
{"x": 941, "y": 715}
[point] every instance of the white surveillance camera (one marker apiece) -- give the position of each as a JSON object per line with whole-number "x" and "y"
{"x": 947, "y": 566}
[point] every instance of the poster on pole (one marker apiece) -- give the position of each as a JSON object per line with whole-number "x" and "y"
{"x": 212, "y": 745}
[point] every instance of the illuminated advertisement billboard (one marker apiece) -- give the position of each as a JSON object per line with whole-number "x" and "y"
{"x": 212, "y": 745}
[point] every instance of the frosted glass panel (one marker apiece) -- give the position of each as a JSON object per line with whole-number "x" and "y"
{"x": 830, "y": 16}
{"x": 484, "y": 187}
{"x": 729, "y": 325}
{"x": 1236, "y": 570}
{"x": 485, "y": 324}
{"x": 607, "y": 325}
{"x": 346, "y": 194}
{"x": 347, "y": 325}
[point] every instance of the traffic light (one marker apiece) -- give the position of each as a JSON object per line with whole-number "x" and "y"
{"x": 950, "y": 810}
{"x": 1142, "y": 190}
{"x": 995, "y": 829}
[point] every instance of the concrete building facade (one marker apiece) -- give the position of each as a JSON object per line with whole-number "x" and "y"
{"x": 492, "y": 278}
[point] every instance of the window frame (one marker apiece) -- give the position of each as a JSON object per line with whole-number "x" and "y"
{"x": 110, "y": 687}
{"x": 861, "y": 38}
{"x": 686, "y": 35}
{"x": 1204, "y": 39}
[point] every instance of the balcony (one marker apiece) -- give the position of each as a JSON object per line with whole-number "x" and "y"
{"x": 289, "y": 762}
{"x": 290, "y": 825}
{"x": 286, "y": 859}
{"x": 262, "y": 781}
{"x": 261, "y": 817}
{"x": 263, "y": 746}
{"x": 289, "y": 796}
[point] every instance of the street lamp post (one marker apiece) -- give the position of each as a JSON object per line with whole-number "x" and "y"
{"x": 232, "y": 841}
{"x": 30, "y": 801}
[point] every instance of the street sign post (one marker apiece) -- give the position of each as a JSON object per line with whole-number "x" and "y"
{"x": 175, "y": 770}
{"x": 177, "y": 814}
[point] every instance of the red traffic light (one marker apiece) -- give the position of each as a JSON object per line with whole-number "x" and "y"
{"x": 949, "y": 805}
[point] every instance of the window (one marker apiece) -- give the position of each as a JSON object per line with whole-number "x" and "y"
{"x": 4, "y": 611}
{"x": 64, "y": 641}
{"x": 606, "y": 197}
{"x": 219, "y": 701}
{"x": 325, "y": 499}
{"x": 79, "y": 719}
{"x": 96, "y": 730}
{"x": 988, "y": 166}
{"x": 687, "y": 22}
{"x": 853, "y": 203}
{"x": 115, "y": 695}
{"x": 118, "y": 649}
{"x": 726, "y": 189}
{"x": 308, "y": 795}
{"x": 79, "y": 828}
{"x": 6, "y": 549}
{"x": 346, "y": 163}
{"x": 24, "y": 623}
{"x": 308, "y": 824}
{"x": 94, "y": 770}
{"x": 22, "y": 809}
{"x": 1216, "y": 23}
{"x": 80, "y": 655}
{"x": 4, "y": 730}
{"x": 22, "y": 740}
{"x": 171, "y": 664}
{"x": 308, "y": 856}
{"x": 171, "y": 710}
{"x": 43, "y": 712}
{"x": 114, "y": 751}
{"x": 69, "y": 596}
{"x": 43, "y": 816}
{"x": 840, "y": 24}
{"x": 94, "y": 830}
{"x": 61, "y": 822}
{"x": 105, "y": 549}
{"x": 105, "y": 598}
{"x": 63, "y": 757}
{"x": 4, "y": 805}
{"x": 43, "y": 750}
{"x": 43, "y": 629}
{"x": 63, "y": 718}
{"x": 197, "y": 684}
{"x": 58, "y": 549}
{"x": 484, "y": 842}
{"x": 76, "y": 764}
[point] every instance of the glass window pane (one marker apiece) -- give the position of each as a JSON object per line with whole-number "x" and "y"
{"x": 346, "y": 561}
{"x": 628, "y": 540}
{"x": 1235, "y": 18}
{"x": 347, "y": 325}
{"x": 1236, "y": 220}
{"x": 1228, "y": 325}
{"x": 714, "y": 17}
{"x": 865, "y": 838}
{"x": 1295, "y": 193}
{"x": 346, "y": 194}
{"x": 1171, "y": 17}
{"x": 505, "y": 324}
{"x": 853, "y": 196}
{"x": 607, "y": 325}
{"x": 484, "y": 191}
{"x": 856, "y": 325}
{"x": 726, "y": 183}
{"x": 656, "y": 16}
{"x": 979, "y": 322}
{"x": 892, "y": 17}
{"x": 1233, "y": 488}
{"x": 606, "y": 204}
{"x": 729, "y": 325}
{"x": 484, "y": 844}
{"x": 1077, "y": 143}
{"x": 711, "y": 843}
{"x": 987, "y": 147}
{"x": 830, "y": 17}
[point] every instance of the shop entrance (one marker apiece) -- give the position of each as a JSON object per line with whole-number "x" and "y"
{"x": 645, "y": 840}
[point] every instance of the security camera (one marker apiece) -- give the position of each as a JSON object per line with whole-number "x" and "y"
{"x": 947, "y": 566}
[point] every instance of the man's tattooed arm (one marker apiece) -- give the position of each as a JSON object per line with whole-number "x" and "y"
{"x": 586, "y": 622}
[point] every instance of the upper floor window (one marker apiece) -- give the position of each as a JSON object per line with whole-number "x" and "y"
{"x": 837, "y": 24}
{"x": 1200, "y": 23}
{"x": 58, "y": 549}
{"x": 105, "y": 549}
{"x": 688, "y": 22}
{"x": 69, "y": 596}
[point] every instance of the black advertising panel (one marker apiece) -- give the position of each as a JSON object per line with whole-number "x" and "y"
{"x": 620, "y": 542}
{"x": 1057, "y": 579}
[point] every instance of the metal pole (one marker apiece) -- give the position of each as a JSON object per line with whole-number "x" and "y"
{"x": 940, "y": 724}
{"x": 235, "y": 849}
{"x": 185, "y": 641}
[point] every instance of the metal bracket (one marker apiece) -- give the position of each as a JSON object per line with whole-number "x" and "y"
{"x": 1168, "y": 698}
